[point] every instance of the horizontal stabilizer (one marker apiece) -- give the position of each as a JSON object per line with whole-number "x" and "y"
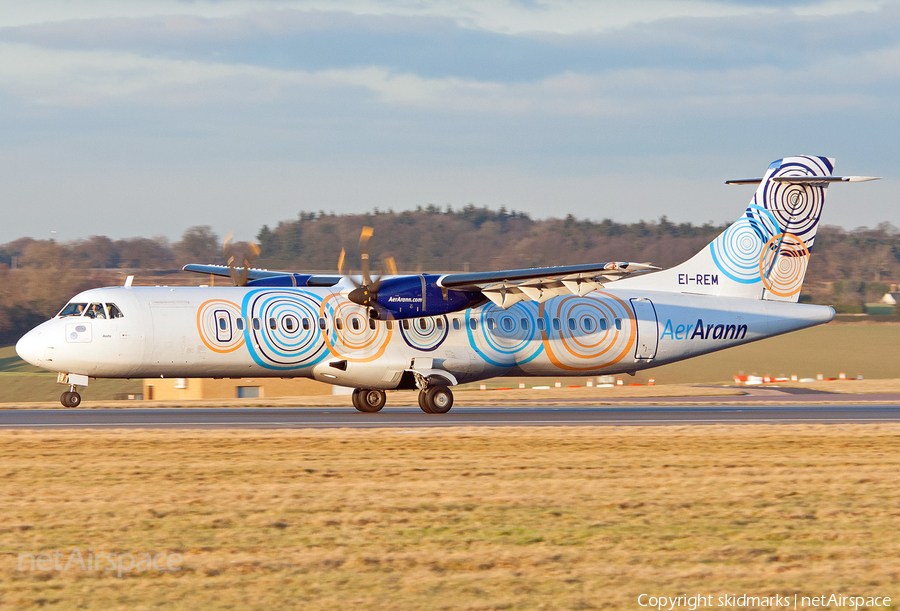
{"x": 804, "y": 180}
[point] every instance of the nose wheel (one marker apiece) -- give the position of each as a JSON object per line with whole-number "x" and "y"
{"x": 436, "y": 399}
{"x": 368, "y": 401}
{"x": 70, "y": 398}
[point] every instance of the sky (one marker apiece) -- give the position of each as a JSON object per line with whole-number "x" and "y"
{"x": 145, "y": 118}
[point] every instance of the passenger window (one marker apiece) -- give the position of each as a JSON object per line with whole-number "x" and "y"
{"x": 490, "y": 324}
{"x": 440, "y": 323}
{"x": 288, "y": 324}
{"x": 223, "y": 324}
{"x": 524, "y": 322}
{"x": 541, "y": 325}
{"x": 390, "y": 325}
{"x": 422, "y": 324}
{"x": 322, "y": 323}
{"x": 456, "y": 324}
{"x": 507, "y": 323}
{"x": 588, "y": 324}
{"x": 73, "y": 309}
{"x": 372, "y": 324}
{"x": 556, "y": 324}
{"x": 406, "y": 324}
{"x": 95, "y": 310}
{"x": 240, "y": 324}
{"x": 256, "y": 324}
{"x": 354, "y": 323}
{"x": 339, "y": 323}
{"x": 571, "y": 324}
{"x": 114, "y": 311}
{"x": 473, "y": 324}
{"x": 604, "y": 325}
{"x": 273, "y": 324}
{"x": 306, "y": 324}
{"x": 618, "y": 324}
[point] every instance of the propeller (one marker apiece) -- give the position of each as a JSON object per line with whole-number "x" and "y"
{"x": 366, "y": 293}
{"x": 234, "y": 252}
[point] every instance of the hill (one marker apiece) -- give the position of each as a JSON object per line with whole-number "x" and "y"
{"x": 846, "y": 270}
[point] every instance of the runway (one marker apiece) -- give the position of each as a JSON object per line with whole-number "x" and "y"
{"x": 291, "y": 418}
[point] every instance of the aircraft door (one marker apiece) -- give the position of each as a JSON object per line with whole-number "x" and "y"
{"x": 647, "y": 329}
{"x": 171, "y": 320}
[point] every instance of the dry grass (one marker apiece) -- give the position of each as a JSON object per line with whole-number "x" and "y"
{"x": 550, "y": 518}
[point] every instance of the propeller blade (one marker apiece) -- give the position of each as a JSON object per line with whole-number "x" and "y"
{"x": 364, "y": 249}
{"x": 341, "y": 262}
{"x": 390, "y": 266}
{"x": 251, "y": 251}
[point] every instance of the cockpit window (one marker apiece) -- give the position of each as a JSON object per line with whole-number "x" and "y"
{"x": 95, "y": 310}
{"x": 114, "y": 311}
{"x": 73, "y": 309}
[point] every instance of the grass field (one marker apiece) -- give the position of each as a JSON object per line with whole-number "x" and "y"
{"x": 549, "y": 518}
{"x": 20, "y": 381}
{"x": 870, "y": 349}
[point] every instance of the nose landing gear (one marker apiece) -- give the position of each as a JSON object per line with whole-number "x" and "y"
{"x": 70, "y": 398}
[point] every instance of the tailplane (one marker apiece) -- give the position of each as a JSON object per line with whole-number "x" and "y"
{"x": 765, "y": 253}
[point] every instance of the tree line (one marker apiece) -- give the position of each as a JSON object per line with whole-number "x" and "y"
{"x": 847, "y": 269}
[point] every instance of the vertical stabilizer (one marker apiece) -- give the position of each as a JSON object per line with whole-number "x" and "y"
{"x": 765, "y": 253}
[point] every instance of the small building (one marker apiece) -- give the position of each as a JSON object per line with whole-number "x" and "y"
{"x": 179, "y": 389}
{"x": 892, "y": 298}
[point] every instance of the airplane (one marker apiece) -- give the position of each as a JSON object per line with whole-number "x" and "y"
{"x": 431, "y": 332}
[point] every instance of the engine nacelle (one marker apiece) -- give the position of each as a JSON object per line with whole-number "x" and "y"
{"x": 413, "y": 296}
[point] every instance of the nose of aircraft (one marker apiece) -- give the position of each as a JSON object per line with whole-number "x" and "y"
{"x": 31, "y": 347}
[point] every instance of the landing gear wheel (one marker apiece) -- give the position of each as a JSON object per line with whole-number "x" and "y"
{"x": 70, "y": 399}
{"x": 439, "y": 399}
{"x": 423, "y": 403}
{"x": 370, "y": 401}
{"x": 355, "y": 398}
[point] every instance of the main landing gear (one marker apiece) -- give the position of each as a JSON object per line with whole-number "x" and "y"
{"x": 435, "y": 399}
{"x": 70, "y": 398}
{"x": 368, "y": 401}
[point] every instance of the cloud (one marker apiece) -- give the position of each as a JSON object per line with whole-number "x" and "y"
{"x": 131, "y": 104}
{"x": 84, "y": 78}
{"x": 434, "y": 46}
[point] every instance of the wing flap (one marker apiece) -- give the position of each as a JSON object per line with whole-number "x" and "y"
{"x": 508, "y": 287}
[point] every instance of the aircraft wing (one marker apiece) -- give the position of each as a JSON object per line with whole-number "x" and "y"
{"x": 508, "y": 287}
{"x": 222, "y": 270}
{"x": 264, "y": 274}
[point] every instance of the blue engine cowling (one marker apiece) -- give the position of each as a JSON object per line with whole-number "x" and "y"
{"x": 399, "y": 297}
{"x": 413, "y": 296}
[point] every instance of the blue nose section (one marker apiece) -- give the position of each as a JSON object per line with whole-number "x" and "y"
{"x": 31, "y": 347}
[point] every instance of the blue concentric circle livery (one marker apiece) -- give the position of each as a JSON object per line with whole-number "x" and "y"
{"x": 737, "y": 250}
{"x": 424, "y": 333}
{"x": 288, "y": 336}
{"x": 513, "y": 339}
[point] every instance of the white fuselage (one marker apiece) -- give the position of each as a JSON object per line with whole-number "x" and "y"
{"x": 318, "y": 333}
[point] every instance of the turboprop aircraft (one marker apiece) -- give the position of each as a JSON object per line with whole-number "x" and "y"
{"x": 431, "y": 332}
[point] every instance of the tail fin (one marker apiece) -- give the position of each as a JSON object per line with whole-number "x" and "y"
{"x": 765, "y": 253}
